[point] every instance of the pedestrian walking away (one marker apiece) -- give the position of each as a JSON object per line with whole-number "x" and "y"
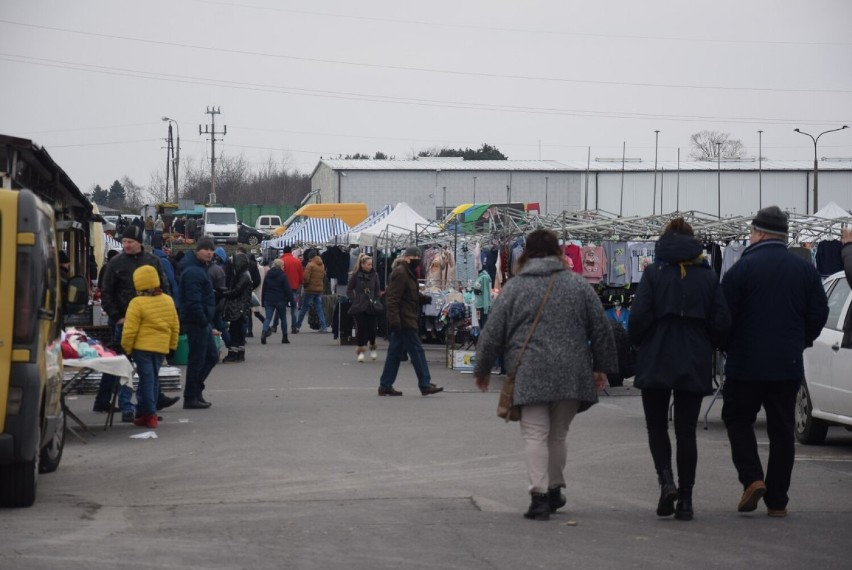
{"x": 197, "y": 310}
{"x": 295, "y": 275}
{"x": 276, "y": 295}
{"x": 314, "y": 284}
{"x": 402, "y": 303}
{"x": 678, "y": 317}
{"x": 363, "y": 291}
{"x": 565, "y": 359}
{"x": 778, "y": 308}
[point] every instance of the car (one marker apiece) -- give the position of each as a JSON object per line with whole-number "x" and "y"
{"x": 250, "y": 235}
{"x": 267, "y": 222}
{"x": 825, "y": 397}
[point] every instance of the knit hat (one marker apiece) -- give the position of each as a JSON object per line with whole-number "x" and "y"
{"x": 221, "y": 253}
{"x": 133, "y": 232}
{"x": 204, "y": 243}
{"x": 771, "y": 220}
{"x": 412, "y": 252}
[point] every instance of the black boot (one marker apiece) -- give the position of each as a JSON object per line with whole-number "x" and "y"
{"x": 263, "y": 336}
{"x": 683, "y": 510}
{"x": 233, "y": 356}
{"x": 284, "y": 339}
{"x": 539, "y": 507}
{"x": 556, "y": 499}
{"x": 241, "y": 355}
{"x": 668, "y": 494}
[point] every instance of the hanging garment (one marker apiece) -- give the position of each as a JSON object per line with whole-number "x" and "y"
{"x": 641, "y": 255}
{"x": 828, "y": 257}
{"x": 618, "y": 263}
{"x": 732, "y": 254}
{"x": 594, "y": 263}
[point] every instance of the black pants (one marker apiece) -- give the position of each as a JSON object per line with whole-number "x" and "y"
{"x": 237, "y": 333}
{"x": 365, "y": 329}
{"x": 687, "y": 406}
{"x": 743, "y": 401}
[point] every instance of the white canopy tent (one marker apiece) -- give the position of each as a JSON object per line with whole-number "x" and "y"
{"x": 313, "y": 231}
{"x": 824, "y": 224}
{"x": 402, "y": 219}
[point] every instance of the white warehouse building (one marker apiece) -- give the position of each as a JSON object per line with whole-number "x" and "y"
{"x": 730, "y": 188}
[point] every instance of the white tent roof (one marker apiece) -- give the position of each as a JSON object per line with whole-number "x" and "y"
{"x": 831, "y": 211}
{"x": 401, "y": 220}
{"x": 312, "y": 231}
{"x": 815, "y": 226}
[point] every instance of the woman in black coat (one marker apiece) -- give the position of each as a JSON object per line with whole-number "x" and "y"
{"x": 678, "y": 316}
{"x": 362, "y": 290}
{"x": 276, "y": 295}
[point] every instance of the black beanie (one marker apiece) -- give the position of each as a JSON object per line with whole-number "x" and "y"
{"x": 771, "y": 220}
{"x": 133, "y": 232}
{"x": 205, "y": 243}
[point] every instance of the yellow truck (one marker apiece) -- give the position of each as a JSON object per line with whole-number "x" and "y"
{"x": 33, "y": 296}
{"x": 352, "y": 213}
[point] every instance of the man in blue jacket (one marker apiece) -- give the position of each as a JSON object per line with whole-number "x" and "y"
{"x": 197, "y": 309}
{"x": 778, "y": 308}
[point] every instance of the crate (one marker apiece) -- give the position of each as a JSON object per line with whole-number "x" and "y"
{"x": 103, "y": 333}
{"x": 79, "y": 320}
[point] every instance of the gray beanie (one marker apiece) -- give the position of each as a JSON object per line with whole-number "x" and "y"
{"x": 205, "y": 242}
{"x": 412, "y": 252}
{"x": 771, "y": 220}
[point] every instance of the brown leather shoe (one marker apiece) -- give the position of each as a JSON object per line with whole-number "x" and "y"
{"x": 751, "y": 496}
{"x": 777, "y": 513}
{"x": 389, "y": 392}
{"x": 432, "y": 389}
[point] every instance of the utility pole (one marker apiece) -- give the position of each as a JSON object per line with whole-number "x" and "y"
{"x": 211, "y": 130}
{"x": 168, "y": 160}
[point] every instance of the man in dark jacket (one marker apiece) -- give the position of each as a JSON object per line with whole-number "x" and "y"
{"x": 402, "y": 303}
{"x": 117, "y": 292}
{"x": 778, "y": 308}
{"x": 275, "y": 296}
{"x": 197, "y": 310}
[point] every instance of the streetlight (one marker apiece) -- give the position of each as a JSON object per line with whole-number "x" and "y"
{"x": 719, "y": 182}
{"x": 177, "y": 153}
{"x": 816, "y": 163}
{"x": 656, "y": 147}
{"x": 759, "y": 170}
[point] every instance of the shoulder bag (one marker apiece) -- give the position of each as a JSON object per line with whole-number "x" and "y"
{"x": 506, "y": 408}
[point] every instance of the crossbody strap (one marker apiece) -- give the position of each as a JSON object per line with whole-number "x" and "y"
{"x": 535, "y": 322}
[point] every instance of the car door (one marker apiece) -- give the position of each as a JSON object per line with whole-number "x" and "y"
{"x": 829, "y": 370}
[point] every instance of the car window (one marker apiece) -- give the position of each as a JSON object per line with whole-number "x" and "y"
{"x": 836, "y": 300}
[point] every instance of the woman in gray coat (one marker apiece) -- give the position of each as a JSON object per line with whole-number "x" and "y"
{"x": 565, "y": 363}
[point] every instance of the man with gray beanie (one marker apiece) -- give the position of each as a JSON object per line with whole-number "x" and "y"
{"x": 402, "y": 303}
{"x": 778, "y": 308}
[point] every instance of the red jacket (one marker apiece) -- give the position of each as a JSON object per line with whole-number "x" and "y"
{"x": 293, "y": 270}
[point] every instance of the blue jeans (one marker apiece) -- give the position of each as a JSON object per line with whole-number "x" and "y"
{"x": 410, "y": 339}
{"x": 148, "y": 367}
{"x": 281, "y": 316}
{"x": 108, "y": 382}
{"x": 316, "y": 300}
{"x": 273, "y": 312}
{"x": 203, "y": 356}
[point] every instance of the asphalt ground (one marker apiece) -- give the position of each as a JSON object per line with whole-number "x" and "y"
{"x": 299, "y": 464}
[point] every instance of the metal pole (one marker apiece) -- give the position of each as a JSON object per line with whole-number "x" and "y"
{"x": 816, "y": 163}
{"x": 474, "y": 189}
{"x": 759, "y": 170}
{"x": 656, "y": 148}
{"x": 545, "y": 194}
{"x": 677, "y": 184}
{"x": 444, "y": 211}
{"x": 588, "y": 164}
{"x": 621, "y": 197}
{"x": 662, "y": 186}
{"x": 719, "y": 179}
{"x": 175, "y": 153}
{"x": 168, "y": 159}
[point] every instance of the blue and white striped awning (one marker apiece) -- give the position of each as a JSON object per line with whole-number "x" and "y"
{"x": 313, "y": 231}
{"x": 111, "y": 243}
{"x": 351, "y": 236}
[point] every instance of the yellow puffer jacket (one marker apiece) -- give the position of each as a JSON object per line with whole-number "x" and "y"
{"x": 151, "y": 321}
{"x": 315, "y": 276}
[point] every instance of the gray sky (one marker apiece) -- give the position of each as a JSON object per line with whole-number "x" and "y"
{"x": 90, "y": 79}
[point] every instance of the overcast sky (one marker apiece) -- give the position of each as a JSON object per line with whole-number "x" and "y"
{"x": 90, "y": 79}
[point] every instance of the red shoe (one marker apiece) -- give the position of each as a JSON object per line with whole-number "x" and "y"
{"x": 152, "y": 421}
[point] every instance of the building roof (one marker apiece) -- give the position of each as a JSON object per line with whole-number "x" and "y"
{"x": 449, "y": 164}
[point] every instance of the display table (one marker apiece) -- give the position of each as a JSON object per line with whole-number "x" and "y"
{"x": 117, "y": 365}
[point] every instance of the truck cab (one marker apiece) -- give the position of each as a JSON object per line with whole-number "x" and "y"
{"x": 32, "y": 421}
{"x": 221, "y": 224}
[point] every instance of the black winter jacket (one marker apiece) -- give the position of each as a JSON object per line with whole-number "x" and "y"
{"x": 361, "y": 289}
{"x": 403, "y": 298}
{"x": 678, "y": 316}
{"x": 195, "y": 295}
{"x": 778, "y": 308}
{"x": 118, "y": 288}
{"x": 276, "y": 289}
{"x": 238, "y": 296}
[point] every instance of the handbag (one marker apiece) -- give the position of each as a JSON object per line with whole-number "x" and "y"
{"x": 255, "y": 302}
{"x": 375, "y": 305}
{"x": 506, "y": 408}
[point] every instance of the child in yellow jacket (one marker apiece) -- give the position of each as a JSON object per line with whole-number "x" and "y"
{"x": 150, "y": 332}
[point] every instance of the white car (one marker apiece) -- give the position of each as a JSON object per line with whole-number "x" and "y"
{"x": 825, "y": 398}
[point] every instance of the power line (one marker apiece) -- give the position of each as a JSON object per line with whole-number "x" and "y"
{"x": 430, "y": 70}
{"x": 354, "y": 96}
{"x": 532, "y": 31}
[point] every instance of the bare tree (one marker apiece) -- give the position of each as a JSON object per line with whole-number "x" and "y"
{"x": 707, "y": 145}
{"x": 134, "y": 195}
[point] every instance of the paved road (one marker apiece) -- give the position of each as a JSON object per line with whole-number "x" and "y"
{"x": 299, "y": 465}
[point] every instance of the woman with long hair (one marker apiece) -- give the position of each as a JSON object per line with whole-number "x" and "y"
{"x": 564, "y": 363}
{"x": 363, "y": 291}
{"x": 678, "y": 316}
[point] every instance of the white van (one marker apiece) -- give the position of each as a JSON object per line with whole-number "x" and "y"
{"x": 221, "y": 224}
{"x": 267, "y": 222}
